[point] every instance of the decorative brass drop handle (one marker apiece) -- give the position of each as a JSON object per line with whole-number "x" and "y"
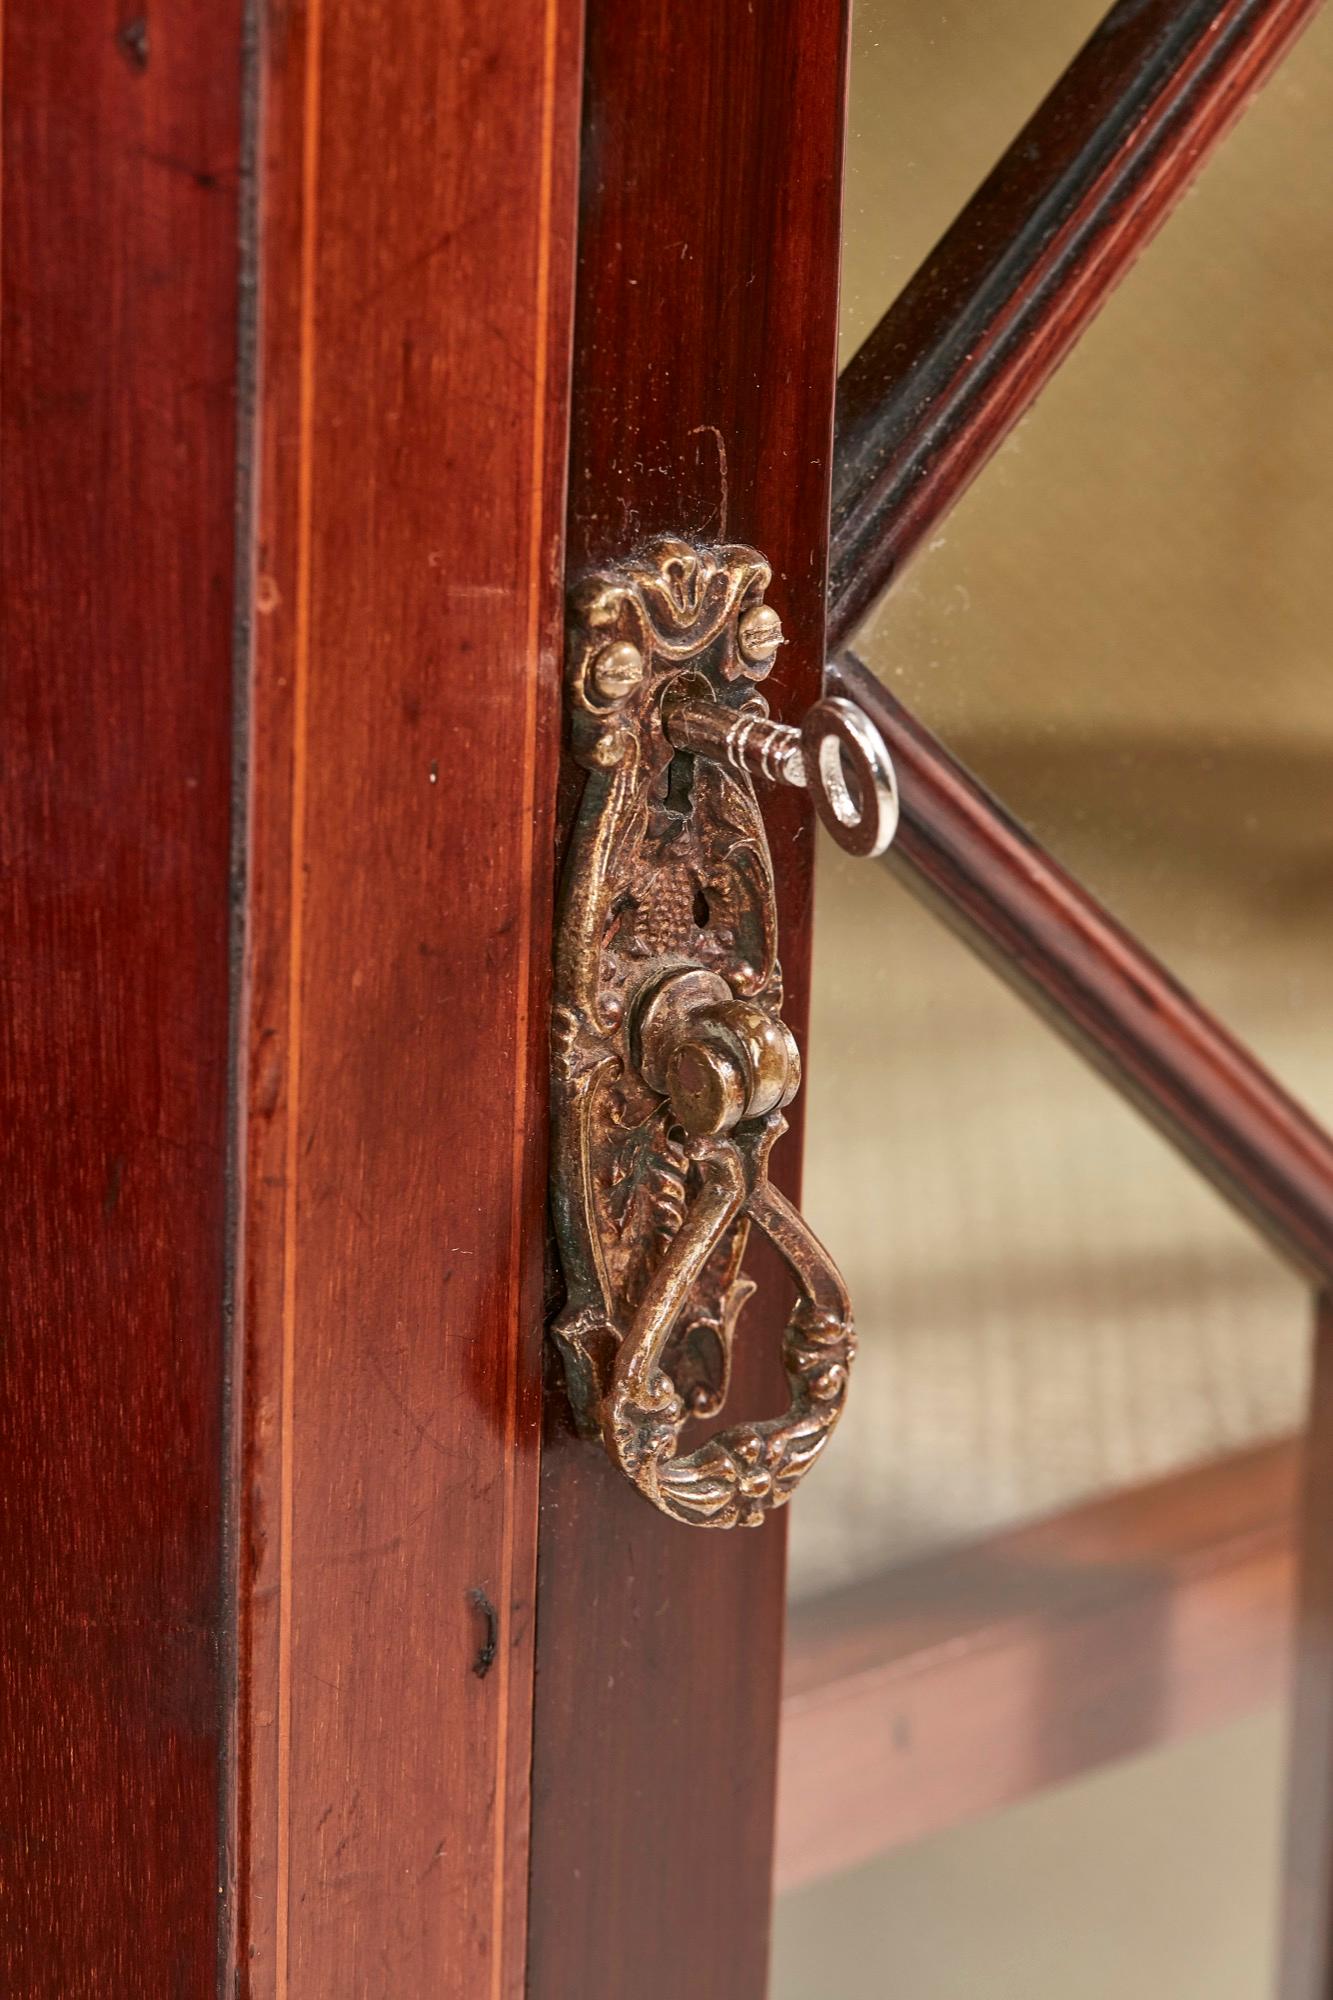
{"x": 671, "y": 1062}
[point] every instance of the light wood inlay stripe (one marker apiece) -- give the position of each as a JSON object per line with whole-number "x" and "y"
{"x": 535, "y": 579}
{"x": 300, "y": 708}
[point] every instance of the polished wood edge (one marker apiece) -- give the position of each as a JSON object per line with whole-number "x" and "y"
{"x": 960, "y": 356}
{"x": 968, "y": 1680}
{"x": 1306, "y": 1933}
{"x": 1049, "y": 938}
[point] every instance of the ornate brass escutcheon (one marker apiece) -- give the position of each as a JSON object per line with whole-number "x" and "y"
{"x": 671, "y": 1062}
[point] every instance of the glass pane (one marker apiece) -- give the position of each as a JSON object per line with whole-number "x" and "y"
{"x": 1155, "y": 1880}
{"x": 1050, "y": 1303}
{"x": 936, "y": 96}
{"x": 1124, "y": 628}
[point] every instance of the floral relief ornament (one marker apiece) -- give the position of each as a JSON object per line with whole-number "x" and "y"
{"x": 670, "y": 1061}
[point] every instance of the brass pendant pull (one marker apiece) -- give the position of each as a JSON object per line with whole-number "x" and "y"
{"x": 671, "y": 1061}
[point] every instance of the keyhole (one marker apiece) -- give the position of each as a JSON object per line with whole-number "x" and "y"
{"x": 702, "y": 913}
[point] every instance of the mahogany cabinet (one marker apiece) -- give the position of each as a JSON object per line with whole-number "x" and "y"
{"x": 340, "y": 341}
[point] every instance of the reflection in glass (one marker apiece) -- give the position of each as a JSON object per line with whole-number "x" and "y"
{"x": 936, "y": 95}
{"x": 1050, "y": 1303}
{"x": 1154, "y": 1880}
{"x": 1124, "y": 630}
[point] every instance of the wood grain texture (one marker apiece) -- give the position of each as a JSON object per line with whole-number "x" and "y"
{"x": 703, "y": 373}
{"x": 1048, "y": 938}
{"x": 964, "y": 1682}
{"x": 119, "y": 355}
{"x": 961, "y": 355}
{"x": 417, "y": 204}
{"x": 1307, "y": 1880}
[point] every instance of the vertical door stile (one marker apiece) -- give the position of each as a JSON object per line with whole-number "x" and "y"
{"x": 704, "y": 373}
{"x": 417, "y": 171}
{"x": 117, "y": 422}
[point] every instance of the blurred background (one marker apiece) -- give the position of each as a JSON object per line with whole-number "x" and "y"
{"x": 1123, "y": 630}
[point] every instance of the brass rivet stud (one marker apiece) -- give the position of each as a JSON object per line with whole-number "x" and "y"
{"x": 760, "y": 635}
{"x": 617, "y": 669}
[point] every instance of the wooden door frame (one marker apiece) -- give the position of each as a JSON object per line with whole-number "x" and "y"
{"x": 354, "y": 1361}
{"x": 416, "y": 197}
{"x": 283, "y": 810}
{"x": 282, "y": 555}
{"x": 704, "y": 377}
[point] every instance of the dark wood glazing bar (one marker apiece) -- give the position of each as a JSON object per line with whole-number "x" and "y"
{"x": 1054, "y": 943}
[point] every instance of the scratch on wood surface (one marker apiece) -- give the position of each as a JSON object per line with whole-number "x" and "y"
{"x": 721, "y": 473}
{"x": 485, "y": 1659}
{"x": 132, "y": 41}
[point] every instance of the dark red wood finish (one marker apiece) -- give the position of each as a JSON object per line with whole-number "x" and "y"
{"x": 961, "y": 355}
{"x": 119, "y": 356}
{"x": 1307, "y": 1903}
{"x": 416, "y": 284}
{"x": 703, "y": 400}
{"x": 966, "y": 1681}
{"x": 1054, "y": 943}
{"x": 400, "y": 678}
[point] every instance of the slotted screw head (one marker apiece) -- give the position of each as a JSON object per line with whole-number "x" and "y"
{"x": 617, "y": 669}
{"x": 760, "y": 634}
